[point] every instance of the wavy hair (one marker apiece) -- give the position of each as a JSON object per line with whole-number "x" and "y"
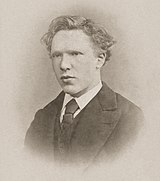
{"x": 98, "y": 34}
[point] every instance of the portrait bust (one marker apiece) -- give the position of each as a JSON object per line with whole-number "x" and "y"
{"x": 87, "y": 122}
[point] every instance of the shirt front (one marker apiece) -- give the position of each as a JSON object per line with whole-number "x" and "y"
{"x": 82, "y": 101}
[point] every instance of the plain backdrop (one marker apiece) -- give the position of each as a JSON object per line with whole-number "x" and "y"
{"x": 28, "y": 83}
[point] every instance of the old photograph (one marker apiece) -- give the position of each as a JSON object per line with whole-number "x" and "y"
{"x": 80, "y": 90}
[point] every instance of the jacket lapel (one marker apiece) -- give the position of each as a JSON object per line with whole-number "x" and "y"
{"x": 95, "y": 124}
{"x": 52, "y": 115}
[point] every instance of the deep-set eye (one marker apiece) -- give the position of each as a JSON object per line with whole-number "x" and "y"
{"x": 56, "y": 55}
{"x": 75, "y": 53}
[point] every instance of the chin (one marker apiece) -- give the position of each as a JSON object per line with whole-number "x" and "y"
{"x": 70, "y": 90}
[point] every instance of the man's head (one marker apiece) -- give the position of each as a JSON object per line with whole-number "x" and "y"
{"x": 78, "y": 48}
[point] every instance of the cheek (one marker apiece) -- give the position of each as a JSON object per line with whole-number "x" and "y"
{"x": 87, "y": 69}
{"x": 55, "y": 68}
{"x": 86, "y": 75}
{"x": 55, "y": 65}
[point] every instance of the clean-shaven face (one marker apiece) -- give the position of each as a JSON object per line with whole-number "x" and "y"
{"x": 74, "y": 62}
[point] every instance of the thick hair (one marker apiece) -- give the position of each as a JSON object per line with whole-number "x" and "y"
{"x": 98, "y": 35}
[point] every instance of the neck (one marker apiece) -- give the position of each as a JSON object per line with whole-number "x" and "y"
{"x": 87, "y": 89}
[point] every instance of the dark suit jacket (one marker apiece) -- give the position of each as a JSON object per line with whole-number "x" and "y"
{"x": 103, "y": 128}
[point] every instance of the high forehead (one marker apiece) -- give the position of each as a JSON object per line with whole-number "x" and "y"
{"x": 71, "y": 39}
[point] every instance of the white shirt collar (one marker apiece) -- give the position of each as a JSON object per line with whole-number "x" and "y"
{"x": 84, "y": 99}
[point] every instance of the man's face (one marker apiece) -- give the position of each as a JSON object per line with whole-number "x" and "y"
{"x": 74, "y": 62}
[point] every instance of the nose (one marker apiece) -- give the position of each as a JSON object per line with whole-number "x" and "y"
{"x": 65, "y": 62}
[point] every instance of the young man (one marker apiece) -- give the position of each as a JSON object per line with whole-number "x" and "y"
{"x": 87, "y": 121}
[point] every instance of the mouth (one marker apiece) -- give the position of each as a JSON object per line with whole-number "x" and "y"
{"x": 66, "y": 78}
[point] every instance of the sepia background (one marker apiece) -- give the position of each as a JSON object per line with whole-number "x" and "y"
{"x": 28, "y": 83}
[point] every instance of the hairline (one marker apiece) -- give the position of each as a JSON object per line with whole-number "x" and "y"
{"x": 95, "y": 47}
{"x": 102, "y": 41}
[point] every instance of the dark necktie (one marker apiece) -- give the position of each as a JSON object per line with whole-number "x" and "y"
{"x": 66, "y": 126}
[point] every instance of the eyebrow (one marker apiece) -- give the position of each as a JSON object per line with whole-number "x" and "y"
{"x": 68, "y": 51}
{"x": 74, "y": 51}
{"x": 56, "y": 52}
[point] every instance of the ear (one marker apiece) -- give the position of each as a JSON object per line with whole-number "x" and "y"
{"x": 101, "y": 60}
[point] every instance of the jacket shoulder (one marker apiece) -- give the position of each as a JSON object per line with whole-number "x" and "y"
{"x": 127, "y": 129}
{"x": 41, "y": 113}
{"x": 40, "y": 129}
{"x": 126, "y": 105}
{"x": 130, "y": 122}
{"x": 51, "y": 106}
{"x": 132, "y": 117}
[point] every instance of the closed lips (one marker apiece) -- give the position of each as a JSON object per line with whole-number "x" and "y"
{"x": 66, "y": 77}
